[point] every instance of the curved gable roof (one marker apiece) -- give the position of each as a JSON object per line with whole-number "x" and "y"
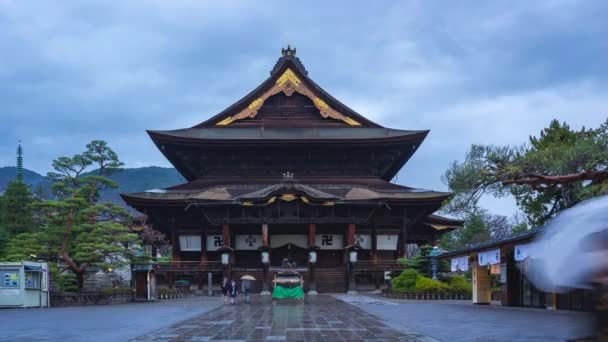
{"x": 288, "y": 68}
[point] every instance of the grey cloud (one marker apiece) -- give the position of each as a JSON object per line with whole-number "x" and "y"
{"x": 471, "y": 72}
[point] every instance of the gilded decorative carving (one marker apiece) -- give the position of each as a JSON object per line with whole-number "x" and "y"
{"x": 288, "y": 82}
{"x": 288, "y": 75}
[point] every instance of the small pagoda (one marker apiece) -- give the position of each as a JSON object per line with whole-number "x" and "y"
{"x": 290, "y": 177}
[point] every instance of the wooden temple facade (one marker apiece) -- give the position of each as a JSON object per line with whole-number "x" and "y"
{"x": 289, "y": 176}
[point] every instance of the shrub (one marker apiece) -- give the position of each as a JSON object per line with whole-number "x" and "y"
{"x": 429, "y": 285}
{"x": 68, "y": 282}
{"x": 406, "y": 281}
{"x": 115, "y": 291}
{"x": 459, "y": 285}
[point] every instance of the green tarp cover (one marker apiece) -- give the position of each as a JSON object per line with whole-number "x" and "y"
{"x": 282, "y": 292}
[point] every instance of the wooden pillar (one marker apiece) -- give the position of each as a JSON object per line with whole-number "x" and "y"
{"x": 266, "y": 245}
{"x": 402, "y": 238}
{"x": 201, "y": 274}
{"x": 312, "y": 233}
{"x": 226, "y": 234}
{"x": 175, "y": 250}
{"x": 203, "y": 246}
{"x": 265, "y": 239}
{"x": 351, "y": 234}
{"x": 482, "y": 287}
{"x": 374, "y": 246}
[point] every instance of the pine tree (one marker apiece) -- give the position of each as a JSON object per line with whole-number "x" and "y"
{"x": 90, "y": 233}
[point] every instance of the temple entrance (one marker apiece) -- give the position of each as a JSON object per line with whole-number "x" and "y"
{"x": 295, "y": 255}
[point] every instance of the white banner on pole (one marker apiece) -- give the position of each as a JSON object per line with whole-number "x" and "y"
{"x": 190, "y": 243}
{"x": 489, "y": 257}
{"x": 460, "y": 264}
{"x": 386, "y": 242}
{"x": 248, "y": 242}
{"x": 329, "y": 241}
{"x": 214, "y": 242}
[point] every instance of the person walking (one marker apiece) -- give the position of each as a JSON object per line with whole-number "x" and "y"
{"x": 233, "y": 291}
{"x": 225, "y": 291}
{"x": 246, "y": 289}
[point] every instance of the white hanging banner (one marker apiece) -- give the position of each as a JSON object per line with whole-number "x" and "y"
{"x": 248, "y": 242}
{"x": 329, "y": 241}
{"x": 386, "y": 242}
{"x": 214, "y": 242}
{"x": 364, "y": 241}
{"x": 281, "y": 240}
{"x": 489, "y": 257}
{"x": 190, "y": 243}
{"x": 523, "y": 251}
{"x": 460, "y": 264}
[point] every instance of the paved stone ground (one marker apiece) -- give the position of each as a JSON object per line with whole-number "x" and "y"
{"x": 98, "y": 323}
{"x": 462, "y": 321}
{"x": 318, "y": 318}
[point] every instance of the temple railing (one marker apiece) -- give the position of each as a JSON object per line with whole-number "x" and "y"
{"x": 188, "y": 266}
{"x": 380, "y": 265}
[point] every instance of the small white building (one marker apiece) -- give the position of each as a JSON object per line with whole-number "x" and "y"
{"x": 24, "y": 284}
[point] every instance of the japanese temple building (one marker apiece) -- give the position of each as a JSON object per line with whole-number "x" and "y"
{"x": 288, "y": 176}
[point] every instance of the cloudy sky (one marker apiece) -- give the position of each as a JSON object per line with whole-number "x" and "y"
{"x": 471, "y": 72}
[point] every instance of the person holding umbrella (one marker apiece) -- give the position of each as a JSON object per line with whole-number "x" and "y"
{"x": 246, "y": 287}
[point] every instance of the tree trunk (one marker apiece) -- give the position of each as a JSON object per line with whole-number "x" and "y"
{"x": 79, "y": 279}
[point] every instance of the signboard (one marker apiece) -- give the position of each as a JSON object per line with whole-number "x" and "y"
{"x": 190, "y": 243}
{"x": 214, "y": 242}
{"x": 329, "y": 241}
{"x": 489, "y": 258}
{"x": 248, "y": 242}
{"x": 386, "y": 242}
{"x": 364, "y": 241}
{"x": 460, "y": 264}
{"x": 281, "y": 240}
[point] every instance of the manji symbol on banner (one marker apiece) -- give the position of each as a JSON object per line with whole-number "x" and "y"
{"x": 214, "y": 242}
{"x": 329, "y": 241}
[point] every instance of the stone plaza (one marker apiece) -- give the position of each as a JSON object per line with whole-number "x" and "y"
{"x": 318, "y": 318}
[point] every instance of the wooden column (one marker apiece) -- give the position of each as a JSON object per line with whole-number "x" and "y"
{"x": 351, "y": 234}
{"x": 265, "y": 239}
{"x": 266, "y": 245}
{"x": 402, "y": 238}
{"x": 203, "y": 246}
{"x": 312, "y": 231}
{"x": 201, "y": 274}
{"x": 374, "y": 246}
{"x": 175, "y": 249}
{"x": 226, "y": 234}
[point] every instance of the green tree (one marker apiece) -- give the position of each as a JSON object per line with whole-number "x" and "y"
{"x": 475, "y": 231}
{"x": 551, "y": 172}
{"x": 91, "y": 233}
{"x": 421, "y": 262}
{"x": 16, "y": 214}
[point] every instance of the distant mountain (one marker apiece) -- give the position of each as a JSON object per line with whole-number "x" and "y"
{"x": 129, "y": 180}
{"x": 35, "y": 180}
